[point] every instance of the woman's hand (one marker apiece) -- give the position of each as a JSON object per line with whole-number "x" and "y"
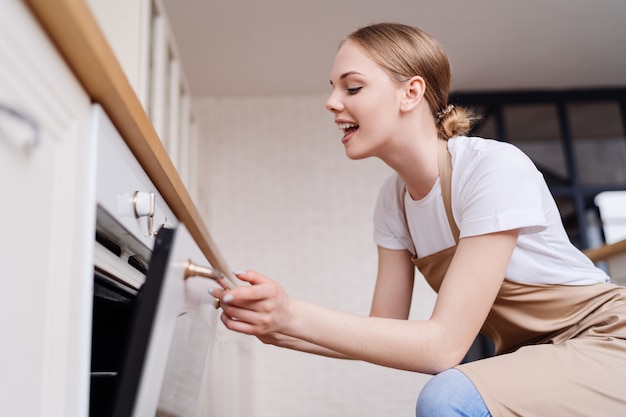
{"x": 261, "y": 309}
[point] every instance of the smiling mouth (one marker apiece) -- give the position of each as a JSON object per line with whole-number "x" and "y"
{"x": 347, "y": 127}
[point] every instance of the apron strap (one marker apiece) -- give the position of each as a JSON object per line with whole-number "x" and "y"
{"x": 445, "y": 182}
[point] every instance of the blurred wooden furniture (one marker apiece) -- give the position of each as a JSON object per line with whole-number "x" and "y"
{"x": 614, "y": 256}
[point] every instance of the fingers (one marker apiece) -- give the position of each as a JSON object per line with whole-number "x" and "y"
{"x": 217, "y": 292}
{"x": 261, "y": 288}
{"x": 243, "y": 319}
{"x": 251, "y": 309}
{"x": 251, "y": 277}
{"x": 238, "y": 325}
{"x": 220, "y": 292}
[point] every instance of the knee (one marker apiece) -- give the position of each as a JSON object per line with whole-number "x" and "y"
{"x": 433, "y": 398}
{"x": 449, "y": 393}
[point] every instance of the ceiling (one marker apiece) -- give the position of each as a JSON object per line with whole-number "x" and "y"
{"x": 257, "y": 47}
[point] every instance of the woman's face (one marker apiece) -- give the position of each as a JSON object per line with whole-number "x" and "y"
{"x": 365, "y": 102}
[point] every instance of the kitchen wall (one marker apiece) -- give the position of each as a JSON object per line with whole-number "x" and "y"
{"x": 280, "y": 196}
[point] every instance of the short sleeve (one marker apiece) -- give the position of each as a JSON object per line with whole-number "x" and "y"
{"x": 390, "y": 232}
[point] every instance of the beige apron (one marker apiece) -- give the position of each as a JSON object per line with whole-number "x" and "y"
{"x": 560, "y": 350}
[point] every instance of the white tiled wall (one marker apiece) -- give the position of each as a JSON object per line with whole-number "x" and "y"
{"x": 280, "y": 196}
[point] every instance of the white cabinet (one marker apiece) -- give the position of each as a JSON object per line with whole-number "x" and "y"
{"x": 46, "y": 207}
{"x": 140, "y": 35}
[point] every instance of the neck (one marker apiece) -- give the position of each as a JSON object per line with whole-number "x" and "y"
{"x": 417, "y": 165}
{"x": 413, "y": 152}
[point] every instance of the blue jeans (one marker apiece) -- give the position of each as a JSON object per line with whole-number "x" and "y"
{"x": 450, "y": 394}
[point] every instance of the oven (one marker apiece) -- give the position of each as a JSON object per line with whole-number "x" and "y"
{"x": 153, "y": 321}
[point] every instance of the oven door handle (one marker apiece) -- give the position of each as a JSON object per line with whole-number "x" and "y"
{"x": 194, "y": 270}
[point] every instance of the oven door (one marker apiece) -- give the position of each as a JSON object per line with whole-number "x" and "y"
{"x": 170, "y": 337}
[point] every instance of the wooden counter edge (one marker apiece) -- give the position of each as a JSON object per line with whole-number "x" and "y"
{"x": 73, "y": 29}
{"x": 607, "y": 251}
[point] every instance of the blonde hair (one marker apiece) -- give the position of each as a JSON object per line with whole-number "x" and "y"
{"x": 404, "y": 52}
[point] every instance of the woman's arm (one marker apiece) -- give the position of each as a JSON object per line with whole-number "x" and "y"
{"x": 392, "y": 299}
{"x": 394, "y": 284}
{"x": 465, "y": 298}
{"x": 300, "y": 345}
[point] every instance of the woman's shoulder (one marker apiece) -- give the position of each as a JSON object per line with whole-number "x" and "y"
{"x": 468, "y": 152}
{"x": 479, "y": 145}
{"x": 390, "y": 194}
{"x": 392, "y": 185}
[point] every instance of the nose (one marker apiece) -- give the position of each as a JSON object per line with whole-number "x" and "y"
{"x": 333, "y": 104}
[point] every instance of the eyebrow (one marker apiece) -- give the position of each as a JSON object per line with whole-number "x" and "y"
{"x": 346, "y": 75}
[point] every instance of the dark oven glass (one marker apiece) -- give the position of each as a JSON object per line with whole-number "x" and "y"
{"x": 130, "y": 326}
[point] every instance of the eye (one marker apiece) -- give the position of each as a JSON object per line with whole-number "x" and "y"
{"x": 353, "y": 90}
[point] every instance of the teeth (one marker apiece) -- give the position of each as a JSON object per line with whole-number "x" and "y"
{"x": 344, "y": 126}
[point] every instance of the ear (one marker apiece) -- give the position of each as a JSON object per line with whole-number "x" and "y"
{"x": 413, "y": 93}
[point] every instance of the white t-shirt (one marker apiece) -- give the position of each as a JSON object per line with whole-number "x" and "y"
{"x": 495, "y": 187}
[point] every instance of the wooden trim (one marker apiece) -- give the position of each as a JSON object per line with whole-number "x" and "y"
{"x": 73, "y": 29}
{"x": 607, "y": 251}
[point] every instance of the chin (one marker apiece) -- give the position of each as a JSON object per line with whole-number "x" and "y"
{"x": 355, "y": 156}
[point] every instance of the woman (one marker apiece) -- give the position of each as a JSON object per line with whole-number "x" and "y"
{"x": 477, "y": 219}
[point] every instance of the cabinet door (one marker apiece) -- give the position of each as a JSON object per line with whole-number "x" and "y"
{"x": 47, "y": 212}
{"x": 143, "y": 41}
